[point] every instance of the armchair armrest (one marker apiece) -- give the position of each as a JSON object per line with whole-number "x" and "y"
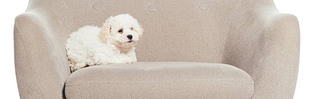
{"x": 41, "y": 68}
{"x": 276, "y": 72}
{"x": 269, "y": 52}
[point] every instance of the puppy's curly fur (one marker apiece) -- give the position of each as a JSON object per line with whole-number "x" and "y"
{"x": 112, "y": 43}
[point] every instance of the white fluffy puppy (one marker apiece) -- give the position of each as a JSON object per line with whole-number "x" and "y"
{"x": 112, "y": 43}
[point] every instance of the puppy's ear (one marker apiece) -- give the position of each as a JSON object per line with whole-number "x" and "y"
{"x": 106, "y": 30}
{"x": 139, "y": 30}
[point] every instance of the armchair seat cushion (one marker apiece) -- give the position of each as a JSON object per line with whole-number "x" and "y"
{"x": 159, "y": 80}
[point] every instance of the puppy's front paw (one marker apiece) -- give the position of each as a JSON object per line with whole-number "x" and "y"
{"x": 131, "y": 61}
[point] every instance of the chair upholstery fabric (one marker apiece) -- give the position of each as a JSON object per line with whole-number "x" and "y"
{"x": 249, "y": 34}
{"x": 164, "y": 80}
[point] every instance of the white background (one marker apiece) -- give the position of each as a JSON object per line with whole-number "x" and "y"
{"x": 307, "y": 11}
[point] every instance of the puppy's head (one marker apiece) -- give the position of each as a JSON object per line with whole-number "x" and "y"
{"x": 122, "y": 30}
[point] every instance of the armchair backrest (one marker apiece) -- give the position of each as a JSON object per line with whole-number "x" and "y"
{"x": 175, "y": 30}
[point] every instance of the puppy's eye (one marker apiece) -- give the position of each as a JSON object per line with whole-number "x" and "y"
{"x": 120, "y": 31}
{"x": 131, "y": 28}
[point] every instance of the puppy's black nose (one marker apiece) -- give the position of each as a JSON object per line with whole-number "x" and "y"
{"x": 129, "y": 36}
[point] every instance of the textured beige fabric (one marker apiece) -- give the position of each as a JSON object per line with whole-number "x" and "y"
{"x": 249, "y": 34}
{"x": 41, "y": 64}
{"x": 160, "y": 80}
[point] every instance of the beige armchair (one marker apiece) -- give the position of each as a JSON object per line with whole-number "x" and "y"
{"x": 215, "y": 49}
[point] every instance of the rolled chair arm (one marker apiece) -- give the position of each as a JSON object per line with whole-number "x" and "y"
{"x": 275, "y": 73}
{"x": 41, "y": 68}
